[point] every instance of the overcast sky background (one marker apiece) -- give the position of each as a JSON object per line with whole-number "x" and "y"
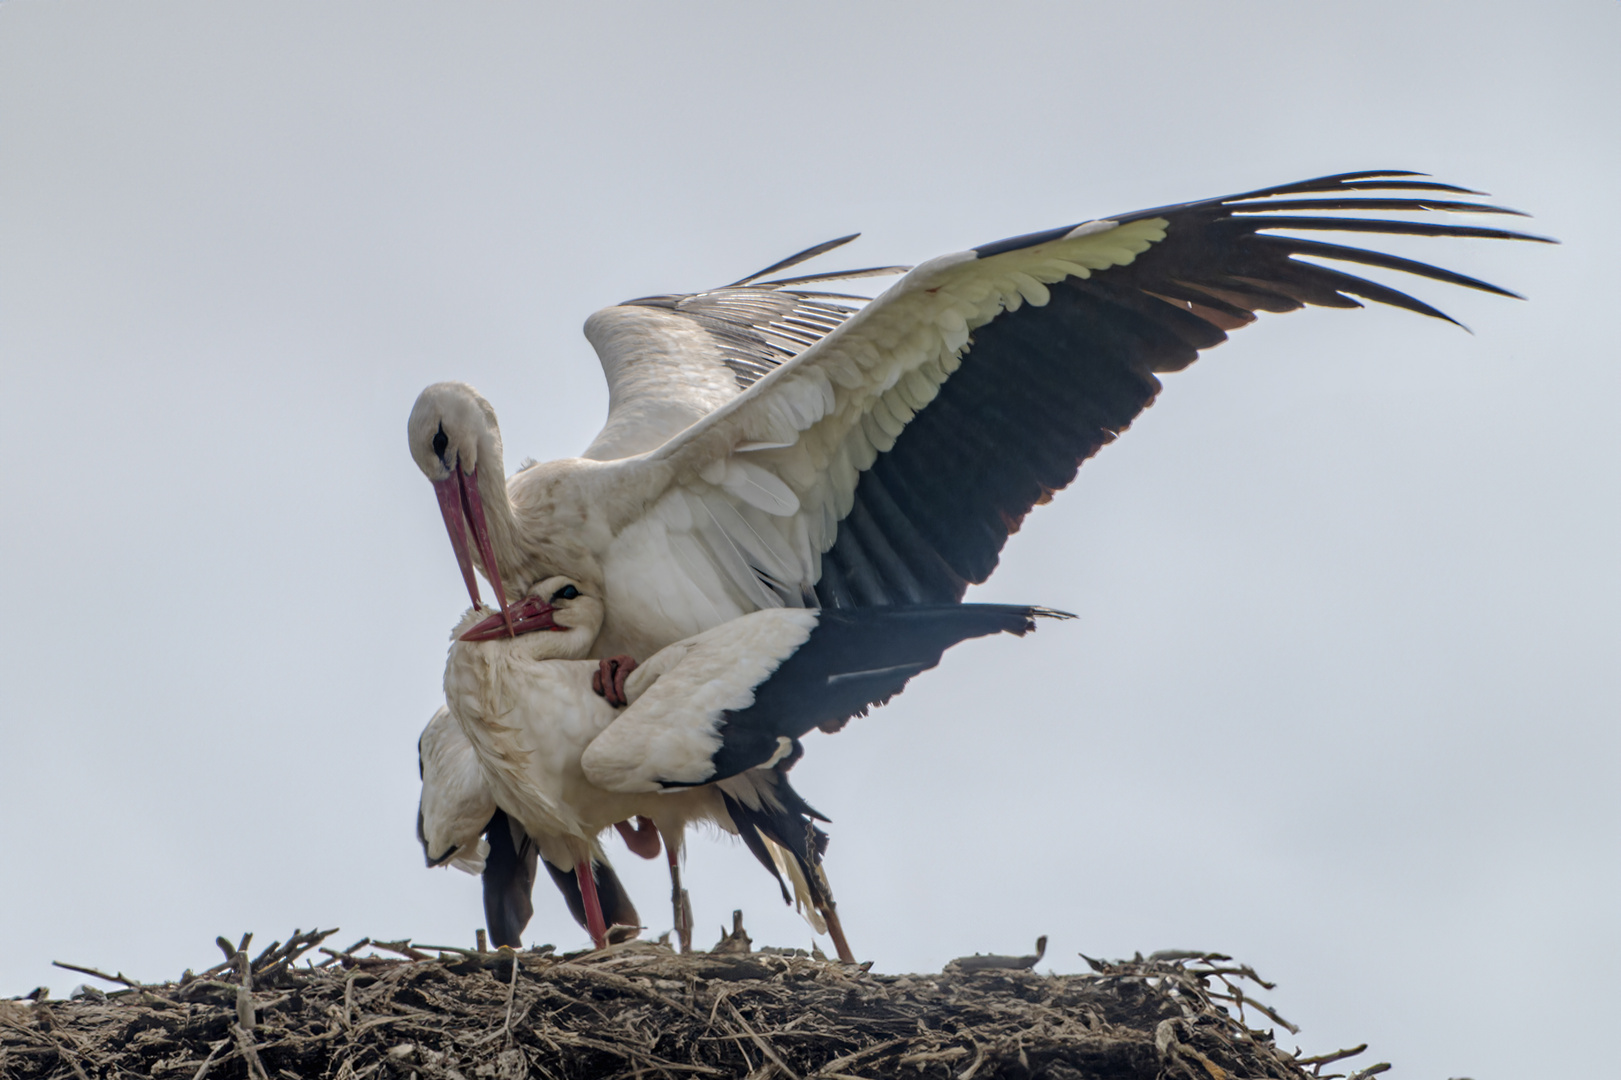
{"x": 1344, "y": 693}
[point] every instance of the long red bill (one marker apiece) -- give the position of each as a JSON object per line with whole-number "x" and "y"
{"x": 448, "y": 491}
{"x": 525, "y": 617}
{"x": 473, "y": 506}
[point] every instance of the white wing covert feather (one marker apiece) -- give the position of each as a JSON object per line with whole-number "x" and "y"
{"x": 671, "y": 730}
{"x": 671, "y": 360}
{"x": 762, "y": 482}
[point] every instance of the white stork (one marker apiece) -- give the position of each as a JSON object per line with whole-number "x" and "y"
{"x": 712, "y": 725}
{"x": 763, "y": 450}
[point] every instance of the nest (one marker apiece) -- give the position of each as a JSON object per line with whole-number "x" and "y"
{"x": 641, "y": 1010}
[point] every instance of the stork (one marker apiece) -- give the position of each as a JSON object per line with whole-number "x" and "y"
{"x": 770, "y": 447}
{"x": 712, "y": 724}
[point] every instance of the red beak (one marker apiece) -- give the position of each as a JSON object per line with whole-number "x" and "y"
{"x": 461, "y": 505}
{"x": 525, "y": 617}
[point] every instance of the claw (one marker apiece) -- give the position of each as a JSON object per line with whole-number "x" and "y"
{"x": 608, "y": 681}
{"x": 642, "y": 838}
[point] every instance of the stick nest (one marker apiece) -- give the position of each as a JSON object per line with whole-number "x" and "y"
{"x": 641, "y": 1010}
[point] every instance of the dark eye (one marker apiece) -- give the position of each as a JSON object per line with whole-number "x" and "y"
{"x": 440, "y": 442}
{"x": 567, "y": 592}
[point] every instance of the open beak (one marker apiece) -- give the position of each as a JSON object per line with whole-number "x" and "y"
{"x": 462, "y": 506}
{"x": 525, "y": 617}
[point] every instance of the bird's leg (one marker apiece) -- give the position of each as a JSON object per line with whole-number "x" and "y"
{"x": 595, "y": 924}
{"x": 835, "y": 930}
{"x": 609, "y": 679}
{"x": 642, "y": 838}
{"x": 679, "y": 900}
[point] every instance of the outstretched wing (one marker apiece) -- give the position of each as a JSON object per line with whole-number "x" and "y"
{"x": 671, "y": 360}
{"x": 738, "y": 696}
{"x": 889, "y": 462}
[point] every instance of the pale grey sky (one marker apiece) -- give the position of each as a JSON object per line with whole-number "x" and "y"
{"x": 1343, "y": 697}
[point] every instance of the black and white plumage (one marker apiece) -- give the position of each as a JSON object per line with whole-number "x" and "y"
{"x": 743, "y": 694}
{"x": 889, "y": 460}
{"x": 711, "y": 727}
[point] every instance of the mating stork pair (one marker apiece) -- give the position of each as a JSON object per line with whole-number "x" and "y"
{"x": 790, "y": 497}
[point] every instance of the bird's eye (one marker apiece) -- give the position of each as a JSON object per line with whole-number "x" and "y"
{"x": 567, "y": 592}
{"x": 440, "y": 441}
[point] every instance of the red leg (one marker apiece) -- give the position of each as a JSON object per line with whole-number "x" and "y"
{"x": 595, "y": 924}
{"x": 835, "y": 930}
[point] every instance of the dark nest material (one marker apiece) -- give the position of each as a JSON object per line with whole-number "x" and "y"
{"x": 640, "y": 1010}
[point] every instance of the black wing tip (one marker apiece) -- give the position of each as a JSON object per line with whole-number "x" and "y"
{"x": 1016, "y": 243}
{"x": 832, "y": 275}
{"x": 1051, "y": 613}
{"x": 795, "y": 259}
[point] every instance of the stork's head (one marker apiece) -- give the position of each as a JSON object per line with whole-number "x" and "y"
{"x": 456, "y": 443}
{"x": 566, "y": 611}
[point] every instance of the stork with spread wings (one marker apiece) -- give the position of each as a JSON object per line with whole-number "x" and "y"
{"x": 769, "y": 446}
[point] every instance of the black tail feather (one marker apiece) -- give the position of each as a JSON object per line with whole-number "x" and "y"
{"x": 509, "y": 881}
{"x": 854, "y": 659}
{"x": 791, "y": 828}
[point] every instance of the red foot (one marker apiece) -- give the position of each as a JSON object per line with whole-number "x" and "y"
{"x": 642, "y": 838}
{"x": 609, "y": 680}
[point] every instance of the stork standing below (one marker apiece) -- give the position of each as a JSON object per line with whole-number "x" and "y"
{"x": 712, "y": 726}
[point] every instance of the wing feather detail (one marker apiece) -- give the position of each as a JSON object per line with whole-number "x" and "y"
{"x": 916, "y": 435}
{"x": 671, "y": 360}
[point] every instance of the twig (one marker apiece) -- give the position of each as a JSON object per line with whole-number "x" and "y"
{"x": 476, "y": 954}
{"x": 119, "y": 978}
{"x": 973, "y": 1067}
{"x": 619, "y": 982}
{"x": 244, "y": 995}
{"x": 68, "y": 1056}
{"x": 851, "y": 1059}
{"x": 333, "y": 957}
{"x": 244, "y": 1042}
{"x": 1324, "y": 1059}
{"x": 202, "y": 1070}
{"x": 1239, "y": 997}
{"x": 1371, "y": 1070}
{"x": 512, "y": 992}
{"x": 764, "y": 1045}
{"x": 402, "y": 947}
